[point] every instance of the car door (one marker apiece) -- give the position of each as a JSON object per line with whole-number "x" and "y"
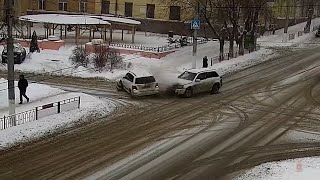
{"x": 199, "y": 86}
{"x": 126, "y": 81}
{"x": 213, "y": 78}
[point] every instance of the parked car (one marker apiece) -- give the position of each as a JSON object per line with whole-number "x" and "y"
{"x": 19, "y": 54}
{"x": 198, "y": 80}
{"x": 318, "y": 33}
{"x": 138, "y": 84}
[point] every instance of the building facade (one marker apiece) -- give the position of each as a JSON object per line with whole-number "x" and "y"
{"x": 294, "y": 8}
{"x": 153, "y": 9}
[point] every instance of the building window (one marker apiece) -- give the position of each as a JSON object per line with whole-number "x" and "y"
{"x": 105, "y": 7}
{"x": 42, "y": 4}
{"x": 150, "y": 10}
{"x": 174, "y": 13}
{"x": 128, "y": 9}
{"x": 63, "y": 5}
{"x": 83, "y": 6}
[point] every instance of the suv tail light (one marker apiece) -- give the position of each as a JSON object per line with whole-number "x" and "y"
{"x": 157, "y": 85}
{"x": 134, "y": 88}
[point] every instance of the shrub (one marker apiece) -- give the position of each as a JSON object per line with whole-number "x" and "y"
{"x": 106, "y": 58}
{"x": 79, "y": 57}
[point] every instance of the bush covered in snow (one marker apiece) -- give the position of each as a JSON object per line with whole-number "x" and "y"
{"x": 79, "y": 57}
{"x": 105, "y": 58}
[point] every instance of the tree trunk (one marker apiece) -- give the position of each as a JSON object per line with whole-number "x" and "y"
{"x": 254, "y": 29}
{"x": 231, "y": 44}
{"x": 241, "y": 44}
{"x": 307, "y": 28}
{"x": 221, "y": 58}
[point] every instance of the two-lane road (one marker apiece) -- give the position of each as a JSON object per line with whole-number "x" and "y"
{"x": 204, "y": 137}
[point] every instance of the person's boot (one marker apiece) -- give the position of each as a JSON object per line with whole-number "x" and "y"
{"x": 20, "y": 102}
{"x": 28, "y": 99}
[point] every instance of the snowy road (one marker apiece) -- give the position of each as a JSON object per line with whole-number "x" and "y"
{"x": 204, "y": 137}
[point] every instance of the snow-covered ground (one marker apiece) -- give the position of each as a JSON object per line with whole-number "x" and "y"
{"x": 41, "y": 95}
{"x": 281, "y": 39}
{"x": 295, "y": 169}
{"x": 165, "y": 70}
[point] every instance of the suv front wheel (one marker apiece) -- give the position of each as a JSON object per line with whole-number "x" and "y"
{"x": 188, "y": 93}
{"x": 215, "y": 88}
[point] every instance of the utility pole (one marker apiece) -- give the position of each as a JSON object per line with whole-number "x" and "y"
{"x": 287, "y": 18}
{"x": 195, "y": 37}
{"x": 10, "y": 59}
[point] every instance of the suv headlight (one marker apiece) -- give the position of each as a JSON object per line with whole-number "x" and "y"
{"x": 180, "y": 86}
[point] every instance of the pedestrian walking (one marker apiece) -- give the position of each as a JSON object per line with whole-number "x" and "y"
{"x": 22, "y": 85}
{"x": 205, "y": 62}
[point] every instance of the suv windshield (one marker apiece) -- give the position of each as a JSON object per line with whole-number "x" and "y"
{"x": 145, "y": 80}
{"x": 188, "y": 76}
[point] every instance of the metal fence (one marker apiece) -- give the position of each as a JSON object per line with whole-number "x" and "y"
{"x": 228, "y": 56}
{"x": 39, "y": 112}
{"x": 165, "y": 48}
{"x": 17, "y": 36}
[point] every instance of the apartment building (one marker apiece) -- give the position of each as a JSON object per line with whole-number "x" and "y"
{"x": 293, "y": 8}
{"x": 153, "y": 9}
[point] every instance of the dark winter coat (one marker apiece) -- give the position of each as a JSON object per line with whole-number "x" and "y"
{"x": 205, "y": 62}
{"x": 23, "y": 84}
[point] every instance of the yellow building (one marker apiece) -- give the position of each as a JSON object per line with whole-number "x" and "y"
{"x": 154, "y": 9}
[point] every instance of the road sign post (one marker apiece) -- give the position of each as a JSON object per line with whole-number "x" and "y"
{"x": 195, "y": 25}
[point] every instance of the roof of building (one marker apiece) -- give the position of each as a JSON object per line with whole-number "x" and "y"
{"x": 118, "y": 20}
{"x": 64, "y": 19}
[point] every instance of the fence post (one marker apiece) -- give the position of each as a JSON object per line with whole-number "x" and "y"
{"x": 4, "y": 122}
{"x": 36, "y": 113}
{"x": 79, "y": 102}
{"x": 59, "y": 107}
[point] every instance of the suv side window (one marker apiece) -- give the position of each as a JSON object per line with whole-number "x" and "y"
{"x": 131, "y": 77}
{"x": 126, "y": 76}
{"x": 202, "y": 76}
{"x": 212, "y": 74}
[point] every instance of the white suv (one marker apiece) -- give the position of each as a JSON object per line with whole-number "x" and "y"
{"x": 138, "y": 84}
{"x": 198, "y": 80}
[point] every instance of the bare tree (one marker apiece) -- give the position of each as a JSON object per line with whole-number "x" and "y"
{"x": 106, "y": 58}
{"x": 99, "y": 58}
{"x": 251, "y": 10}
{"x": 230, "y": 20}
{"x": 209, "y": 13}
{"x": 310, "y": 6}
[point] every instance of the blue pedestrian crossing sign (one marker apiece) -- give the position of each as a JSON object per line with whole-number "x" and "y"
{"x": 195, "y": 24}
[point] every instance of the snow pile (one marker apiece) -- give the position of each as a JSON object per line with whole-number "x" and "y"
{"x": 91, "y": 107}
{"x": 280, "y": 39}
{"x": 58, "y": 63}
{"x": 295, "y": 169}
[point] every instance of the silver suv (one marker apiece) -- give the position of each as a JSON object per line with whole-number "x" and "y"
{"x": 198, "y": 80}
{"x": 138, "y": 83}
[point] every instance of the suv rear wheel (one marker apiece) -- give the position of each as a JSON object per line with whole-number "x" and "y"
{"x": 119, "y": 86}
